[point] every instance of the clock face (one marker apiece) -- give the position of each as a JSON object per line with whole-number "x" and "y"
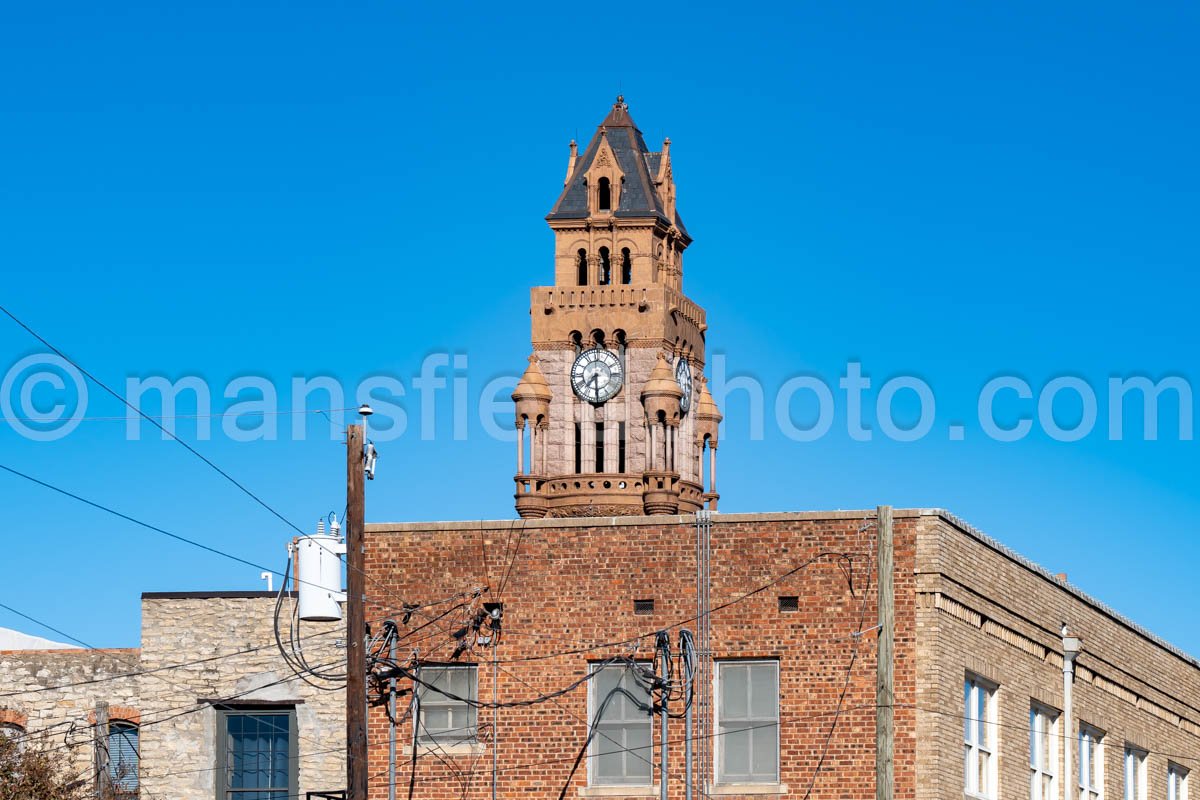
{"x": 596, "y": 375}
{"x": 683, "y": 375}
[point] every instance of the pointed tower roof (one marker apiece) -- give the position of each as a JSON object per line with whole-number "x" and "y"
{"x": 661, "y": 382}
{"x": 533, "y": 385}
{"x": 639, "y": 194}
{"x": 619, "y": 116}
{"x": 706, "y": 407}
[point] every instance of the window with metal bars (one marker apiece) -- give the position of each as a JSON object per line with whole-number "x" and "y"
{"x": 258, "y": 754}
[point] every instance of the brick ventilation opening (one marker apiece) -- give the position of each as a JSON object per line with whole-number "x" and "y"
{"x": 643, "y": 606}
{"x": 789, "y": 602}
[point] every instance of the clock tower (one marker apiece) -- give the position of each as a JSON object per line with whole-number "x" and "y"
{"x": 612, "y": 414}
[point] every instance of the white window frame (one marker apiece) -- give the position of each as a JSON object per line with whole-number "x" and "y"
{"x": 1177, "y": 782}
{"x": 601, "y": 743}
{"x": 979, "y": 737}
{"x": 1044, "y": 744}
{"x": 720, "y": 738}
{"x": 1135, "y": 773}
{"x": 1091, "y": 762}
{"x": 432, "y": 698}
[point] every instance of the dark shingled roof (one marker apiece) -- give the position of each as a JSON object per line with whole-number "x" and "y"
{"x": 638, "y": 196}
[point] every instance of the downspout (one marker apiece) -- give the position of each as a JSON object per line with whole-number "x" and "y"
{"x": 1071, "y": 646}
{"x": 665, "y": 652}
{"x": 392, "y": 722}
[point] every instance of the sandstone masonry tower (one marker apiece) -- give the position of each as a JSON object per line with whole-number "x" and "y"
{"x": 613, "y": 414}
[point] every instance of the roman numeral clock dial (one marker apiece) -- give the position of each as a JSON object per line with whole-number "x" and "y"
{"x": 596, "y": 375}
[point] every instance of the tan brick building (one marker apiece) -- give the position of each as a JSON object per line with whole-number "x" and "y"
{"x": 616, "y": 474}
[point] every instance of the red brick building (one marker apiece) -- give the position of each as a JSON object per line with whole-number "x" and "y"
{"x": 616, "y": 475}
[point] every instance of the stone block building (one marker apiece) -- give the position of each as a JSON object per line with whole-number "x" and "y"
{"x": 203, "y": 703}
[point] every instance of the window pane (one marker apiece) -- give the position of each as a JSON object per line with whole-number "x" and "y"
{"x": 735, "y": 753}
{"x": 765, "y": 762}
{"x": 639, "y": 753}
{"x": 734, "y": 691}
{"x": 763, "y": 694}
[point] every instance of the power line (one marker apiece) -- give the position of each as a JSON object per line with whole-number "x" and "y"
{"x": 162, "y": 531}
{"x": 211, "y": 415}
{"x": 158, "y": 425}
{"x": 47, "y": 626}
{"x": 152, "y": 421}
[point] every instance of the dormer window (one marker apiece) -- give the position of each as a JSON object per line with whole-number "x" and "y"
{"x": 605, "y": 195}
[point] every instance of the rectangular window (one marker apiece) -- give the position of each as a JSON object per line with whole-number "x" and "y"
{"x": 123, "y": 757}
{"x": 447, "y": 695}
{"x": 621, "y": 752}
{"x": 578, "y": 448}
{"x": 1135, "y": 773}
{"x": 621, "y": 447}
{"x": 257, "y": 752}
{"x": 1043, "y": 753}
{"x": 1091, "y": 763}
{"x": 748, "y": 722}
{"x": 1177, "y": 782}
{"x": 979, "y": 737}
{"x": 599, "y": 447}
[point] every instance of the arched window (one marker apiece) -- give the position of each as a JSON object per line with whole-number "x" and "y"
{"x": 14, "y": 733}
{"x": 626, "y": 266}
{"x": 577, "y": 340}
{"x": 605, "y": 267}
{"x": 604, "y": 190}
{"x": 123, "y": 756}
{"x": 581, "y": 270}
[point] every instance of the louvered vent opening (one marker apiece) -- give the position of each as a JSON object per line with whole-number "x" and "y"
{"x": 789, "y": 603}
{"x": 643, "y": 606}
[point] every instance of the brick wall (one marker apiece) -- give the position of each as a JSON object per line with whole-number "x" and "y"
{"x": 571, "y": 587}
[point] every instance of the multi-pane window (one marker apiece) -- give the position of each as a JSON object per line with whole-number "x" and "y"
{"x": 447, "y": 697}
{"x": 748, "y": 722}
{"x": 619, "y": 708}
{"x": 979, "y": 737}
{"x": 1135, "y": 773}
{"x": 1091, "y": 763}
{"x": 257, "y": 752}
{"x": 123, "y": 756}
{"x": 1177, "y": 782}
{"x": 1043, "y": 753}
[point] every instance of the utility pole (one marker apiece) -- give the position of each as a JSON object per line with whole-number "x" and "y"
{"x": 356, "y": 658}
{"x": 885, "y": 668}
{"x": 100, "y": 750}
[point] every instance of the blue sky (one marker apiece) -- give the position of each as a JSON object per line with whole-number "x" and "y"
{"x": 948, "y": 191}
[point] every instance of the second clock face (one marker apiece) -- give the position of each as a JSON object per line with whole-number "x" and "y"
{"x": 683, "y": 375}
{"x": 596, "y": 375}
